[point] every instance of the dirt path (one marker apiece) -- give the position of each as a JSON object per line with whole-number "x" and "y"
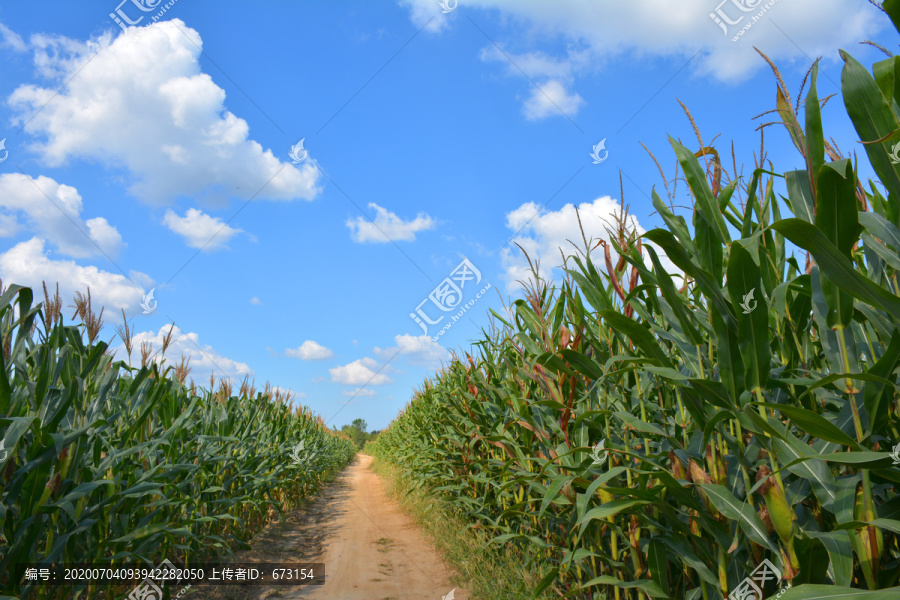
{"x": 371, "y": 549}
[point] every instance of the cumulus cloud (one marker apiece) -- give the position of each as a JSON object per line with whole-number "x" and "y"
{"x": 310, "y": 350}
{"x": 550, "y": 77}
{"x": 552, "y": 98}
{"x": 203, "y": 358}
{"x": 11, "y": 39}
{"x": 542, "y": 233}
{"x": 429, "y": 15}
{"x": 365, "y": 371}
{"x": 417, "y": 349}
{"x": 144, "y": 103}
{"x": 27, "y": 264}
{"x": 200, "y": 230}
{"x": 53, "y": 211}
{"x": 611, "y": 29}
{"x": 387, "y": 226}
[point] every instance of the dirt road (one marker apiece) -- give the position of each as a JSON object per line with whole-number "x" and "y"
{"x": 371, "y": 549}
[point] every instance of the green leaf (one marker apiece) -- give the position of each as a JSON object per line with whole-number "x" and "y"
{"x": 742, "y": 512}
{"x": 881, "y": 228}
{"x": 676, "y": 225}
{"x": 786, "y": 111}
{"x": 696, "y": 180}
{"x": 837, "y": 217}
{"x": 840, "y": 551}
{"x": 892, "y": 8}
{"x": 863, "y": 460}
{"x": 638, "y": 334}
{"x": 675, "y": 300}
{"x": 873, "y": 118}
{"x": 545, "y": 582}
{"x": 582, "y": 364}
{"x": 815, "y": 139}
{"x": 710, "y": 287}
{"x": 746, "y": 290}
{"x": 814, "y": 471}
{"x": 608, "y": 509}
{"x": 638, "y": 424}
{"x": 658, "y": 563}
{"x": 802, "y": 204}
{"x": 649, "y": 587}
{"x": 837, "y": 267}
{"x": 813, "y": 423}
{"x": 877, "y": 396}
{"x": 830, "y": 592}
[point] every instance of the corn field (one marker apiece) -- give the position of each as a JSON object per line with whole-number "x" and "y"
{"x": 110, "y": 464}
{"x": 647, "y": 438}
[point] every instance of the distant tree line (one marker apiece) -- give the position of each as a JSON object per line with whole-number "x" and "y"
{"x": 356, "y": 431}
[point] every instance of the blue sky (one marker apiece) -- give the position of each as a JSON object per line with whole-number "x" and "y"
{"x": 160, "y": 158}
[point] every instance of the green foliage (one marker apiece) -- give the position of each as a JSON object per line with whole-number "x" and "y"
{"x": 104, "y": 463}
{"x": 356, "y": 431}
{"x": 746, "y": 415}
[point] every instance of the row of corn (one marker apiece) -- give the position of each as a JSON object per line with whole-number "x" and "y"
{"x": 647, "y": 436}
{"x": 107, "y": 464}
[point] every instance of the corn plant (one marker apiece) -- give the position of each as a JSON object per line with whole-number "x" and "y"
{"x": 111, "y": 464}
{"x": 654, "y": 438}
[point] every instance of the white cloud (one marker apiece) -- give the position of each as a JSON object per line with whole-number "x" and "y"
{"x": 53, "y": 211}
{"x": 388, "y": 224}
{"x": 536, "y": 64}
{"x": 359, "y": 392}
{"x": 255, "y": 301}
{"x": 27, "y": 264}
{"x": 611, "y": 29}
{"x": 200, "y": 230}
{"x": 204, "y": 359}
{"x": 418, "y": 349}
{"x": 429, "y": 15}
{"x": 549, "y": 79}
{"x": 310, "y": 350}
{"x": 542, "y": 233}
{"x": 11, "y": 39}
{"x": 9, "y": 225}
{"x": 364, "y": 371}
{"x": 551, "y": 99}
{"x": 144, "y": 103}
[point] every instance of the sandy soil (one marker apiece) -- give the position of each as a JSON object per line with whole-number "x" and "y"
{"x": 370, "y": 548}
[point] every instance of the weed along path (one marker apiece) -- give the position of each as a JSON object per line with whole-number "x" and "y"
{"x": 371, "y": 549}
